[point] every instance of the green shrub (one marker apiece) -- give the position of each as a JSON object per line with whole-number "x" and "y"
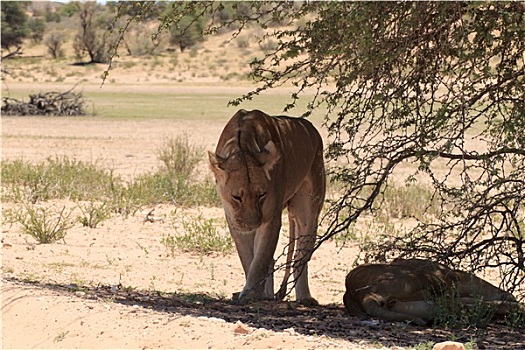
{"x": 125, "y": 199}
{"x": 63, "y": 178}
{"x": 162, "y": 187}
{"x": 179, "y": 157}
{"x": 93, "y": 213}
{"x": 414, "y": 200}
{"x": 54, "y": 178}
{"x": 449, "y": 312}
{"x": 201, "y": 236}
{"x": 45, "y": 225}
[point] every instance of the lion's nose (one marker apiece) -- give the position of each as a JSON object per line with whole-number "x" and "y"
{"x": 251, "y": 221}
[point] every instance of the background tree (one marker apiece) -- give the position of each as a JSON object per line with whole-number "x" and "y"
{"x": 52, "y": 15}
{"x": 69, "y": 9}
{"x": 92, "y": 38}
{"x": 36, "y": 27}
{"x": 14, "y": 26}
{"x": 187, "y": 32}
{"x": 54, "y": 42}
{"x": 439, "y": 85}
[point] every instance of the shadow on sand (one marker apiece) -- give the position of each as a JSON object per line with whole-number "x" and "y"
{"x": 329, "y": 320}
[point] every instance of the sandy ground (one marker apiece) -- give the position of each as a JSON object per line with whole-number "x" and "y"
{"x": 116, "y": 286}
{"x": 125, "y": 252}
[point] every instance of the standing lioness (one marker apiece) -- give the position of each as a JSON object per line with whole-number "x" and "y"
{"x": 262, "y": 165}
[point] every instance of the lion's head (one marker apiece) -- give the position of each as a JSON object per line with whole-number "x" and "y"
{"x": 243, "y": 180}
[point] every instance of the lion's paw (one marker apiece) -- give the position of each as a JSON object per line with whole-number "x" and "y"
{"x": 309, "y": 301}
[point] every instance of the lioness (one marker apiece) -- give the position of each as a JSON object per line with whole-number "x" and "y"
{"x": 262, "y": 165}
{"x": 410, "y": 290}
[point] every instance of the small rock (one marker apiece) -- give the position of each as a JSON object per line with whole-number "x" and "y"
{"x": 241, "y": 328}
{"x": 310, "y": 338}
{"x": 80, "y": 294}
{"x": 449, "y": 345}
{"x": 72, "y": 286}
{"x": 369, "y": 323}
{"x": 215, "y": 319}
{"x": 290, "y": 331}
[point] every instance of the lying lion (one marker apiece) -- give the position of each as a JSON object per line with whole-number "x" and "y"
{"x": 411, "y": 290}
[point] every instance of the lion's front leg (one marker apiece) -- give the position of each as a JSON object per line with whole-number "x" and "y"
{"x": 259, "y": 279}
{"x": 268, "y": 285}
{"x": 244, "y": 242}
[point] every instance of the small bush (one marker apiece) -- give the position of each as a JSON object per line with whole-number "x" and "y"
{"x": 179, "y": 157}
{"x": 199, "y": 235}
{"x": 268, "y": 44}
{"x": 45, "y": 225}
{"x": 516, "y": 319}
{"x": 55, "y": 178}
{"x": 194, "y": 51}
{"x": 140, "y": 43}
{"x": 128, "y": 64}
{"x": 450, "y": 313}
{"x": 243, "y": 41}
{"x": 125, "y": 200}
{"x": 174, "y": 60}
{"x": 93, "y": 213}
{"x": 413, "y": 200}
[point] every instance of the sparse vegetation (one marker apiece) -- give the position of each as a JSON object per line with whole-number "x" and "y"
{"x": 64, "y": 178}
{"x": 179, "y": 157}
{"x": 95, "y": 194}
{"x": 93, "y": 213}
{"x": 45, "y": 224}
{"x": 99, "y": 192}
{"x": 199, "y": 235}
{"x": 54, "y": 178}
{"x": 450, "y": 314}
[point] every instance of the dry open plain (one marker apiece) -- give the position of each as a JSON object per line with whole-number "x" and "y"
{"x": 117, "y": 286}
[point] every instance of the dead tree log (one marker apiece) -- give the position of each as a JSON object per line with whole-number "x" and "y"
{"x": 50, "y": 103}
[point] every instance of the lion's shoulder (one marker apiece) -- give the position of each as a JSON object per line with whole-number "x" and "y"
{"x": 256, "y": 124}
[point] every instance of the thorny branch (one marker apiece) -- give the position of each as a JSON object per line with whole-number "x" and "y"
{"x": 436, "y": 84}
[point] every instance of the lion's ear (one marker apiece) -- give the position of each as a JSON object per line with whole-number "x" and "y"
{"x": 269, "y": 157}
{"x": 216, "y": 165}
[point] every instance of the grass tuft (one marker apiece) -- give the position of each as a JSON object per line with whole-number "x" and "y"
{"x": 93, "y": 213}
{"x": 45, "y": 225}
{"x": 199, "y": 235}
{"x": 179, "y": 157}
{"x": 54, "y": 178}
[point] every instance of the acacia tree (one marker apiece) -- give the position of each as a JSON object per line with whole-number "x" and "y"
{"x": 54, "y": 41}
{"x": 91, "y": 38}
{"x": 420, "y": 82}
{"x": 437, "y": 84}
{"x": 14, "y": 27}
{"x": 187, "y": 32}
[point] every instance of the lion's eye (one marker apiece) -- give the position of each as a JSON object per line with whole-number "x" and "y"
{"x": 237, "y": 198}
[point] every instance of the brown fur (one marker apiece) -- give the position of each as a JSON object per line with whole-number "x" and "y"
{"x": 262, "y": 165}
{"x": 406, "y": 290}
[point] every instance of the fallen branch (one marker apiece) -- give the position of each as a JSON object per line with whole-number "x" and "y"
{"x": 50, "y": 103}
